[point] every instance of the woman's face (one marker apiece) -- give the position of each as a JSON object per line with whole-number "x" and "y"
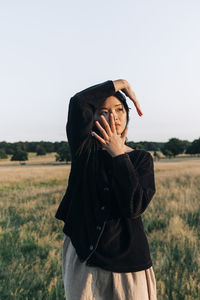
{"x": 113, "y": 105}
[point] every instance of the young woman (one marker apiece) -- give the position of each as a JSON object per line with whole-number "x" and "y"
{"x": 105, "y": 251}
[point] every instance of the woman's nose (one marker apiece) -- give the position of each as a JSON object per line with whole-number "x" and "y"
{"x": 115, "y": 115}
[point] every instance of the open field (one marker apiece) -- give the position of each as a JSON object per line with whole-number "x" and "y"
{"x": 31, "y": 238}
{"x": 33, "y": 159}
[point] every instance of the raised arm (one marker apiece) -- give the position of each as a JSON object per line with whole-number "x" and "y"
{"x": 81, "y": 112}
{"x": 82, "y": 107}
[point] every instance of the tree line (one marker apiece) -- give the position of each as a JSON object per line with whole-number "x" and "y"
{"x": 19, "y": 150}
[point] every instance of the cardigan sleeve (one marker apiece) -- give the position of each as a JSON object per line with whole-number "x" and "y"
{"x": 134, "y": 186}
{"x": 82, "y": 107}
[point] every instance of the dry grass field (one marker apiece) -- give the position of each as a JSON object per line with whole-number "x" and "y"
{"x": 31, "y": 238}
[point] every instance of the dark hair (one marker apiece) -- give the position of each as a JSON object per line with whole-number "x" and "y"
{"x": 122, "y": 99}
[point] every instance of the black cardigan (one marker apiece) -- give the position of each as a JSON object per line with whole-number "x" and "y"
{"x": 124, "y": 184}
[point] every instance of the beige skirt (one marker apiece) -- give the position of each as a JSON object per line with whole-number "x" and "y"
{"x": 82, "y": 282}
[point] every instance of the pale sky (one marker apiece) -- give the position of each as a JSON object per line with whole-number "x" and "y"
{"x": 52, "y": 49}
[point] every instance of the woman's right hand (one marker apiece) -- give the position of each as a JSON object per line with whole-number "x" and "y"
{"x": 123, "y": 85}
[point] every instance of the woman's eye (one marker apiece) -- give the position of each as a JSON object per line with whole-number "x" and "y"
{"x": 120, "y": 109}
{"x": 104, "y": 112}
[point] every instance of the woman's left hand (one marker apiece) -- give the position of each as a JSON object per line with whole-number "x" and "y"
{"x": 113, "y": 143}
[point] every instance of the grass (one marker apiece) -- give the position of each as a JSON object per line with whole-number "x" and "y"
{"x": 171, "y": 223}
{"x": 31, "y": 238}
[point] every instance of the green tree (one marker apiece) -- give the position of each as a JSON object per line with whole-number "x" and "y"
{"x": 186, "y": 145}
{"x": 63, "y": 153}
{"x": 168, "y": 153}
{"x": 40, "y": 150}
{"x": 20, "y": 155}
{"x": 135, "y": 145}
{"x": 149, "y": 146}
{"x": 175, "y": 146}
{"x": 3, "y": 153}
{"x": 194, "y": 148}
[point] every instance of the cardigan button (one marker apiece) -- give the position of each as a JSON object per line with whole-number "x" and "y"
{"x": 91, "y": 247}
{"x": 98, "y": 227}
{"x": 103, "y": 207}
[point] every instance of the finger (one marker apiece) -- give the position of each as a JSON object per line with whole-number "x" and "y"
{"x": 112, "y": 123}
{"x": 102, "y": 130}
{"x": 107, "y": 126}
{"x": 123, "y": 136}
{"x": 137, "y": 106}
{"x": 101, "y": 140}
{"x": 139, "y": 112}
{"x": 130, "y": 93}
